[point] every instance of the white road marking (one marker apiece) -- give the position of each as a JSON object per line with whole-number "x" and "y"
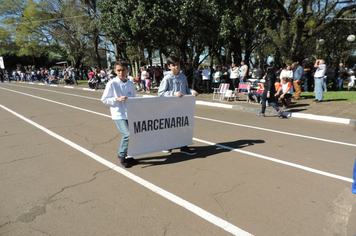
{"x": 60, "y": 103}
{"x": 279, "y": 161}
{"x": 173, "y": 198}
{"x": 226, "y": 147}
{"x": 208, "y": 119}
{"x": 53, "y": 91}
{"x": 276, "y": 131}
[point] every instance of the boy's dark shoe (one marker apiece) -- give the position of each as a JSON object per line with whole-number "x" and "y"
{"x": 132, "y": 161}
{"x": 187, "y": 150}
{"x": 124, "y": 162}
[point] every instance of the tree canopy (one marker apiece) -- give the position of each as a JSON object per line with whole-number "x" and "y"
{"x": 221, "y": 30}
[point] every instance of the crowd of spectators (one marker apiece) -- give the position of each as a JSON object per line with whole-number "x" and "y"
{"x": 298, "y": 76}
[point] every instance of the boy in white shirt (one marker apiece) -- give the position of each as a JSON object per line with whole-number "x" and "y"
{"x": 116, "y": 92}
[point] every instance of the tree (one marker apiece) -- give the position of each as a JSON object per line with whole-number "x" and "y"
{"x": 302, "y": 22}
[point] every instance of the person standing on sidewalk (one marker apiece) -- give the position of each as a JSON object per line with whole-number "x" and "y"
{"x": 206, "y": 79}
{"x": 243, "y": 73}
{"x": 7, "y": 76}
{"x": 339, "y": 79}
{"x": 306, "y": 75}
{"x": 234, "y": 77}
{"x": 320, "y": 70}
{"x": 297, "y": 79}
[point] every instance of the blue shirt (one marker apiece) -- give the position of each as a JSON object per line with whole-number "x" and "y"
{"x": 173, "y": 83}
{"x": 298, "y": 73}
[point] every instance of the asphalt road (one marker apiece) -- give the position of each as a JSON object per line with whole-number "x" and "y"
{"x": 251, "y": 175}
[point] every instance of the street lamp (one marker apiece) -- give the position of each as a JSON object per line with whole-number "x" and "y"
{"x": 318, "y": 42}
{"x": 351, "y": 38}
{"x": 321, "y": 41}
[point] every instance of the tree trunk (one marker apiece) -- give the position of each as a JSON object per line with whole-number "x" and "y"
{"x": 96, "y": 48}
{"x": 160, "y": 57}
{"x": 33, "y": 61}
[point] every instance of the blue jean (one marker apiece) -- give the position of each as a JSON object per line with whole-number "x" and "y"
{"x": 318, "y": 86}
{"x": 242, "y": 81}
{"x": 340, "y": 82}
{"x": 143, "y": 83}
{"x": 305, "y": 80}
{"x": 74, "y": 80}
{"x": 270, "y": 100}
{"x": 325, "y": 85}
{"x": 257, "y": 95}
{"x": 123, "y": 126}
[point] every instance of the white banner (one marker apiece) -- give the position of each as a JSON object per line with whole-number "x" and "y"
{"x": 2, "y": 66}
{"x": 159, "y": 123}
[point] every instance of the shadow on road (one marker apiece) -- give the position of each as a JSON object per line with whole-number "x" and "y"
{"x": 202, "y": 152}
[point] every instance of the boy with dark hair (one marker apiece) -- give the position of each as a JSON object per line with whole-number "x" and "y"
{"x": 116, "y": 92}
{"x": 175, "y": 83}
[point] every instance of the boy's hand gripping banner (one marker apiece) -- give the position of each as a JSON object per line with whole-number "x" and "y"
{"x": 159, "y": 123}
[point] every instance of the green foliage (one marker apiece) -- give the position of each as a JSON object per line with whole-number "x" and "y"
{"x": 75, "y": 30}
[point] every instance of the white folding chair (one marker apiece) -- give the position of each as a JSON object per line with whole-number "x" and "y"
{"x": 220, "y": 91}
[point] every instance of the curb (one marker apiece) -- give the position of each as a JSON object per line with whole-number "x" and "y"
{"x": 251, "y": 109}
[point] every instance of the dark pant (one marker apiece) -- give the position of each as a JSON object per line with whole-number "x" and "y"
{"x": 234, "y": 83}
{"x": 284, "y": 99}
{"x": 206, "y": 86}
{"x": 257, "y": 95}
{"x": 216, "y": 85}
{"x": 305, "y": 80}
{"x": 270, "y": 100}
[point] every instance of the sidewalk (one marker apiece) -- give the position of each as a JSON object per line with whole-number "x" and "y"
{"x": 328, "y": 110}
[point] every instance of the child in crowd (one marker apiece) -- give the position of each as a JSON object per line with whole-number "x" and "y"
{"x": 91, "y": 81}
{"x": 257, "y": 94}
{"x": 285, "y": 91}
{"x": 138, "y": 81}
{"x": 175, "y": 83}
{"x": 115, "y": 94}
{"x": 148, "y": 82}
